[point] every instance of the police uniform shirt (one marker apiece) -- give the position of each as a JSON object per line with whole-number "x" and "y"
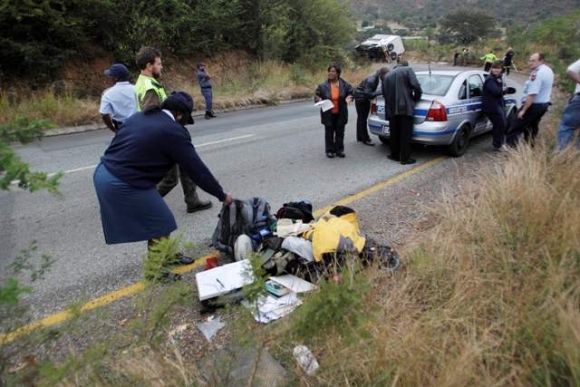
{"x": 119, "y": 101}
{"x": 575, "y": 68}
{"x": 540, "y": 84}
{"x": 204, "y": 82}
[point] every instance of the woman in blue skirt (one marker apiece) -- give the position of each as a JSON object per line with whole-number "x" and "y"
{"x": 145, "y": 148}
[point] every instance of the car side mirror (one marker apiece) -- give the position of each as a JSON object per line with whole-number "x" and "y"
{"x": 510, "y": 90}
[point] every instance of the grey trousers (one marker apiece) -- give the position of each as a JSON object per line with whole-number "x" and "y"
{"x": 169, "y": 182}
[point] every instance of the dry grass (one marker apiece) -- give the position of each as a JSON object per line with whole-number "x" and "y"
{"x": 489, "y": 298}
{"x": 239, "y": 82}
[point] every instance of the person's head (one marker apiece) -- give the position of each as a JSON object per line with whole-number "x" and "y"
{"x": 149, "y": 61}
{"x": 180, "y": 104}
{"x": 536, "y": 59}
{"x": 496, "y": 68}
{"x": 383, "y": 71}
{"x": 403, "y": 63}
{"x": 334, "y": 71}
{"x": 201, "y": 66}
{"x": 510, "y": 49}
{"x": 118, "y": 72}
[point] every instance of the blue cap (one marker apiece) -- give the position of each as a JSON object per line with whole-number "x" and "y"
{"x": 117, "y": 70}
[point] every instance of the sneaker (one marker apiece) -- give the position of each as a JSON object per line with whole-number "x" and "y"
{"x": 183, "y": 259}
{"x": 199, "y": 206}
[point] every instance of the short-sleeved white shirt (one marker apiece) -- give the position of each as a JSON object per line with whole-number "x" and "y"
{"x": 119, "y": 101}
{"x": 539, "y": 83}
{"x": 575, "y": 67}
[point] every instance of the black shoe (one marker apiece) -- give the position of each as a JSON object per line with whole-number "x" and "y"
{"x": 408, "y": 161}
{"x": 171, "y": 276}
{"x": 207, "y": 116}
{"x": 391, "y": 157}
{"x": 212, "y": 115}
{"x": 369, "y": 143}
{"x": 330, "y": 155}
{"x": 341, "y": 155}
{"x": 183, "y": 259}
{"x": 198, "y": 206}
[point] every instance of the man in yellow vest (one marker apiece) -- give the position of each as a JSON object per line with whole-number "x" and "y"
{"x": 150, "y": 92}
{"x": 488, "y": 60}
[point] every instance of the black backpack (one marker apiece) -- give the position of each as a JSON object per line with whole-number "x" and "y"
{"x": 301, "y": 210}
{"x": 241, "y": 217}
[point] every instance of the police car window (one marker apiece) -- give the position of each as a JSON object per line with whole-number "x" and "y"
{"x": 475, "y": 86}
{"x": 463, "y": 91}
{"x": 434, "y": 84}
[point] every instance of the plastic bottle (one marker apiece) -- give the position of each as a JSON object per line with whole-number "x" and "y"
{"x": 305, "y": 359}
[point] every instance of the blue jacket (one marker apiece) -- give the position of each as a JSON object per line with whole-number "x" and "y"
{"x": 148, "y": 145}
{"x": 492, "y": 101}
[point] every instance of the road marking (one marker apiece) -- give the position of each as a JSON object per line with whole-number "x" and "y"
{"x": 139, "y": 286}
{"x": 16, "y": 182}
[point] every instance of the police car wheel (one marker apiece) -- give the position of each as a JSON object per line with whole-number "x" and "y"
{"x": 460, "y": 142}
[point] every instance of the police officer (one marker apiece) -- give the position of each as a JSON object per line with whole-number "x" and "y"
{"x": 151, "y": 93}
{"x": 535, "y": 101}
{"x": 118, "y": 102}
{"x": 363, "y": 94}
{"x": 571, "y": 116}
{"x": 206, "y": 87}
{"x": 488, "y": 60}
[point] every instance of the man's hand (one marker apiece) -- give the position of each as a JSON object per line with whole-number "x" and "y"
{"x": 349, "y": 99}
{"x": 521, "y": 114}
{"x": 228, "y": 200}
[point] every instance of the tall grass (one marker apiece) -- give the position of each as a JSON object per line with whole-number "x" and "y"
{"x": 490, "y": 297}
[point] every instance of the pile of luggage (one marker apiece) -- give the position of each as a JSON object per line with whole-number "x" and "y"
{"x": 292, "y": 241}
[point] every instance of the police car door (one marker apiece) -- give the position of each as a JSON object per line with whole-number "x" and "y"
{"x": 476, "y": 117}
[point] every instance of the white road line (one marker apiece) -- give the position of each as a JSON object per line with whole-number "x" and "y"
{"x": 15, "y": 182}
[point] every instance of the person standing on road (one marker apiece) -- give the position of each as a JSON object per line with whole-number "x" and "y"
{"x": 401, "y": 91}
{"x": 140, "y": 155}
{"x": 150, "y": 94}
{"x": 464, "y": 56}
{"x": 455, "y": 58}
{"x": 571, "y": 115}
{"x": 335, "y": 119}
{"x": 493, "y": 104}
{"x": 508, "y": 60}
{"x": 535, "y": 101}
{"x": 118, "y": 102}
{"x": 488, "y": 60}
{"x": 205, "y": 85}
{"x": 363, "y": 94}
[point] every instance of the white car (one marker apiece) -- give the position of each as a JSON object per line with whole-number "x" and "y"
{"x": 449, "y": 112}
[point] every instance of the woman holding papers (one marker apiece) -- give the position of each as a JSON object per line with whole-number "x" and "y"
{"x": 334, "y": 117}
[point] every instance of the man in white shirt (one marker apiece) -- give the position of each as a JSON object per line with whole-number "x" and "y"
{"x": 535, "y": 101}
{"x": 571, "y": 116}
{"x": 119, "y": 101}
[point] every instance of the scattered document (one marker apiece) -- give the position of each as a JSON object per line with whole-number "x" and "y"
{"x": 295, "y": 284}
{"x": 325, "y": 104}
{"x": 223, "y": 279}
{"x": 270, "y": 308}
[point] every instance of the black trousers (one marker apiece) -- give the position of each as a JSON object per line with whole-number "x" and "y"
{"x": 363, "y": 107}
{"x": 499, "y": 122}
{"x": 528, "y": 125}
{"x": 401, "y": 128}
{"x": 334, "y": 136}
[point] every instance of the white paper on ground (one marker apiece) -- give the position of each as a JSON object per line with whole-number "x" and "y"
{"x": 270, "y": 308}
{"x": 223, "y": 279}
{"x": 325, "y": 104}
{"x": 294, "y": 283}
{"x": 211, "y": 327}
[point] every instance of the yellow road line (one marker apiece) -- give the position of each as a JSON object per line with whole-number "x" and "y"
{"x": 139, "y": 286}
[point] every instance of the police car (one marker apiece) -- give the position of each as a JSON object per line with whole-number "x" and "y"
{"x": 449, "y": 112}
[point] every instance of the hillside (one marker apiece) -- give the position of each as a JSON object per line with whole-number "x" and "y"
{"x": 418, "y": 13}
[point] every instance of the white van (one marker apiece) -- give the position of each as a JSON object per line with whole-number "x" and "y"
{"x": 382, "y": 47}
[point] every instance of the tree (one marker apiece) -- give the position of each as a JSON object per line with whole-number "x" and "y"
{"x": 466, "y": 27}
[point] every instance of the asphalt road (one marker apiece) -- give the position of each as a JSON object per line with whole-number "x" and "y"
{"x": 275, "y": 152}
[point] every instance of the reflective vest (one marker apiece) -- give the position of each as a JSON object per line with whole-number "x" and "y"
{"x": 144, "y": 84}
